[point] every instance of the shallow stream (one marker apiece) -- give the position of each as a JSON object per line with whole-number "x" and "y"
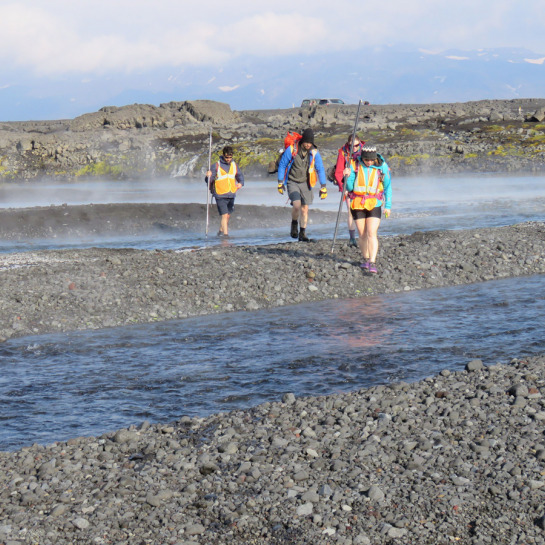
{"x": 54, "y": 387}
{"x": 423, "y": 204}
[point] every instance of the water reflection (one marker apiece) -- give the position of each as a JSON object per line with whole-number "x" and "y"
{"x": 54, "y": 387}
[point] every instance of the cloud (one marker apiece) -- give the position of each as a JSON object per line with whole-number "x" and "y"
{"x": 101, "y": 37}
{"x": 535, "y": 61}
{"x": 227, "y": 88}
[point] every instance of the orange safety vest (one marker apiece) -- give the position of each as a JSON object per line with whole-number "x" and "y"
{"x": 312, "y": 176}
{"x": 225, "y": 181}
{"x": 368, "y": 190}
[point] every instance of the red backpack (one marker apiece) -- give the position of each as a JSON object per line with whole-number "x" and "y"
{"x": 291, "y": 139}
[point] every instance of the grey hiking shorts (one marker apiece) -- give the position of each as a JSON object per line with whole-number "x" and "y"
{"x": 300, "y": 192}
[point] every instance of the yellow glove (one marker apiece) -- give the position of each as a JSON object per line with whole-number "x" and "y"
{"x": 323, "y": 192}
{"x": 281, "y": 188}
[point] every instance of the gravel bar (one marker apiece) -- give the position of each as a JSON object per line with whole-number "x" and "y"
{"x": 455, "y": 458}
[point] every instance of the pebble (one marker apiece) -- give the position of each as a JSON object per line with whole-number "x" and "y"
{"x": 365, "y": 467}
{"x": 117, "y": 287}
{"x": 427, "y": 477}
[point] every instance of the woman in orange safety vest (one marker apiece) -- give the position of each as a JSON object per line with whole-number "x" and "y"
{"x": 369, "y": 189}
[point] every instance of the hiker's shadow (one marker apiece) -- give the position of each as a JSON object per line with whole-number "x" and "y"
{"x": 300, "y": 251}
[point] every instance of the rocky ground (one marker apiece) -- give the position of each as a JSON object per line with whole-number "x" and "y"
{"x": 456, "y": 458}
{"x": 145, "y": 141}
{"x": 60, "y": 290}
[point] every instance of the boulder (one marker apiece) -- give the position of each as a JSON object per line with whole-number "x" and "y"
{"x": 538, "y": 116}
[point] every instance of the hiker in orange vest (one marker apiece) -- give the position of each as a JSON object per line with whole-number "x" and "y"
{"x": 224, "y": 180}
{"x": 369, "y": 188}
{"x": 342, "y": 163}
{"x": 300, "y": 167}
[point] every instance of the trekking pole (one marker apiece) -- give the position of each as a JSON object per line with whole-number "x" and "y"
{"x": 345, "y": 177}
{"x": 208, "y": 183}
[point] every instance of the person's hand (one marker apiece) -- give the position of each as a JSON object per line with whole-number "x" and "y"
{"x": 323, "y": 192}
{"x": 208, "y": 173}
{"x": 281, "y": 188}
{"x": 386, "y": 212}
{"x": 346, "y": 171}
{"x": 238, "y": 186}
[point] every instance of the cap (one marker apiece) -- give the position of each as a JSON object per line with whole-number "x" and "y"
{"x": 368, "y": 153}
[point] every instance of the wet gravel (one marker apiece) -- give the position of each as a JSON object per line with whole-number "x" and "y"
{"x": 62, "y": 290}
{"x": 455, "y": 458}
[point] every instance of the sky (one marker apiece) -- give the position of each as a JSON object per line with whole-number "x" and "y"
{"x": 46, "y": 43}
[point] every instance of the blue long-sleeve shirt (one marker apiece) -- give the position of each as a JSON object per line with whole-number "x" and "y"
{"x": 287, "y": 160}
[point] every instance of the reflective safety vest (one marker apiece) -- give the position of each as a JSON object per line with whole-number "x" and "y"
{"x": 312, "y": 175}
{"x": 368, "y": 191}
{"x": 225, "y": 181}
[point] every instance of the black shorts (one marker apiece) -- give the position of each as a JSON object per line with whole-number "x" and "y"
{"x": 225, "y": 205}
{"x": 363, "y": 214}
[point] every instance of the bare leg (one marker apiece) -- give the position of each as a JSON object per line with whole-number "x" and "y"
{"x": 362, "y": 240}
{"x": 351, "y": 225}
{"x": 224, "y": 225}
{"x": 296, "y": 210}
{"x": 304, "y": 216}
{"x": 371, "y": 238}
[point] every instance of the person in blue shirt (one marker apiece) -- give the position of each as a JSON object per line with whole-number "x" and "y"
{"x": 300, "y": 167}
{"x": 369, "y": 188}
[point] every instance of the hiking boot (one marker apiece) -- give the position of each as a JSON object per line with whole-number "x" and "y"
{"x": 373, "y": 268}
{"x": 352, "y": 242}
{"x": 365, "y": 265}
{"x": 303, "y": 237}
{"x": 294, "y": 229}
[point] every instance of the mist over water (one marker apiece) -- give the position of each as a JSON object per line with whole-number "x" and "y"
{"x": 54, "y": 387}
{"x": 431, "y": 203}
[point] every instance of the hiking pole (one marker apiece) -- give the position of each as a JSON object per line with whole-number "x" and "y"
{"x": 345, "y": 177}
{"x": 208, "y": 183}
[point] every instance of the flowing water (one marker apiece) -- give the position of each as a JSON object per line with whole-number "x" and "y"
{"x": 418, "y": 204}
{"x": 54, "y": 387}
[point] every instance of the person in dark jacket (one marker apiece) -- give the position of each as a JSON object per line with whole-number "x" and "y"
{"x": 300, "y": 167}
{"x": 224, "y": 180}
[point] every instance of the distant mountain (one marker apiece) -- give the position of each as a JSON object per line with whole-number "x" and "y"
{"x": 384, "y": 75}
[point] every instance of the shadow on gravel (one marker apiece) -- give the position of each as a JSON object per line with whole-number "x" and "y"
{"x": 300, "y": 253}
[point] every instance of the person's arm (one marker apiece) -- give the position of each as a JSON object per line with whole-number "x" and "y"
{"x": 339, "y": 167}
{"x": 350, "y": 180}
{"x": 239, "y": 177}
{"x": 387, "y": 183}
{"x": 283, "y": 165}
{"x": 211, "y": 174}
{"x": 319, "y": 166}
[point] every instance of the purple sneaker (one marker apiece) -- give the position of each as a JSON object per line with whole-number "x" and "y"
{"x": 372, "y": 268}
{"x": 365, "y": 265}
